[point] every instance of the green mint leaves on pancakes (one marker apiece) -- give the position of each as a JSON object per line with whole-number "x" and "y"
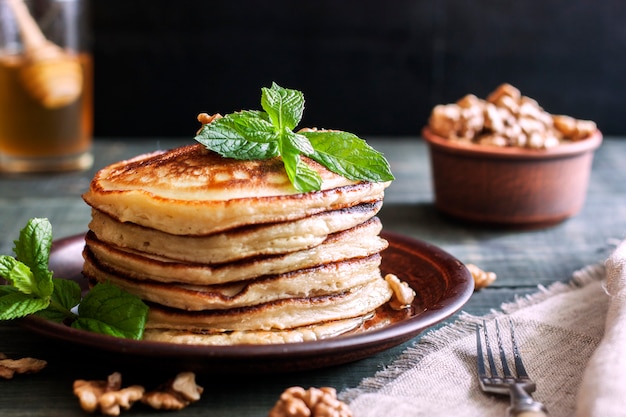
{"x": 257, "y": 135}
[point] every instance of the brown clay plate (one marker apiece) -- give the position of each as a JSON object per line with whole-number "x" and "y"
{"x": 442, "y": 283}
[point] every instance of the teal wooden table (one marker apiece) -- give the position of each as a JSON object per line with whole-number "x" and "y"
{"x": 522, "y": 260}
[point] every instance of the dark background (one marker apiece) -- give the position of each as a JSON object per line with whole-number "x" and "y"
{"x": 369, "y": 67}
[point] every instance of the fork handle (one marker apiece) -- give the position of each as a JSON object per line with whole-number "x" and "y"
{"x": 523, "y": 405}
{"x": 531, "y": 414}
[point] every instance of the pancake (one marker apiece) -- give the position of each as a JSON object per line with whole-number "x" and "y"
{"x": 299, "y": 334}
{"x": 313, "y": 282}
{"x": 237, "y": 244}
{"x": 194, "y": 191}
{"x": 360, "y": 241}
{"x": 282, "y": 314}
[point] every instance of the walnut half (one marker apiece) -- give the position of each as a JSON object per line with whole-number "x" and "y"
{"x": 175, "y": 394}
{"x": 403, "y": 294}
{"x": 107, "y": 396}
{"x": 10, "y": 367}
{"x": 481, "y": 278}
{"x": 314, "y": 402}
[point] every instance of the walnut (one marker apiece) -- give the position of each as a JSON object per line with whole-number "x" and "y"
{"x": 493, "y": 140}
{"x": 107, "y": 396}
{"x": 508, "y": 103}
{"x": 175, "y": 394}
{"x": 473, "y": 122}
{"x": 529, "y": 125}
{"x": 572, "y": 128}
{"x": 481, "y": 278}
{"x": 506, "y": 118}
{"x": 565, "y": 124}
{"x": 403, "y": 294}
{"x": 584, "y": 129}
{"x": 469, "y": 101}
{"x": 206, "y": 118}
{"x": 314, "y": 402}
{"x": 494, "y": 119}
{"x": 503, "y": 91}
{"x": 10, "y": 367}
{"x": 445, "y": 120}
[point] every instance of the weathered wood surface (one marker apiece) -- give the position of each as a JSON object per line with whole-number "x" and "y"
{"x": 522, "y": 259}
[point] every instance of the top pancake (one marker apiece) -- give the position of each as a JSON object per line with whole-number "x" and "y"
{"x": 194, "y": 191}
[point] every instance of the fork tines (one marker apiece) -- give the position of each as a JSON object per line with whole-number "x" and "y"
{"x": 491, "y": 378}
{"x": 502, "y": 381}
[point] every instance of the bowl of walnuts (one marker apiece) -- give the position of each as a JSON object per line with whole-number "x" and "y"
{"x": 505, "y": 161}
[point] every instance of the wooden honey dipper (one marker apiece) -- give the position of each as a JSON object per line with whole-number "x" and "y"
{"x": 51, "y": 75}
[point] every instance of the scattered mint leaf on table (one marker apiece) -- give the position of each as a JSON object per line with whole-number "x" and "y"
{"x": 254, "y": 134}
{"x": 32, "y": 289}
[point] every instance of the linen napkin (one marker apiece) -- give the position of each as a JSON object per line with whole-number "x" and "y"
{"x": 558, "y": 330}
{"x": 602, "y": 392}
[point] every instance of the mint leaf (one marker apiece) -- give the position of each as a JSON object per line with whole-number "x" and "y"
{"x": 253, "y": 125}
{"x": 55, "y": 315}
{"x": 33, "y": 290}
{"x": 22, "y": 278}
{"x": 108, "y": 309}
{"x": 284, "y": 106}
{"x": 242, "y": 136}
{"x": 15, "y": 304}
{"x": 348, "y": 155}
{"x": 33, "y": 246}
{"x": 306, "y": 179}
{"x": 27, "y": 273}
{"x": 297, "y": 142}
{"x": 17, "y": 273}
{"x": 6, "y": 265}
{"x": 65, "y": 297}
{"x": 67, "y": 293}
{"x": 269, "y": 133}
{"x": 98, "y": 326}
{"x": 301, "y": 176}
{"x": 33, "y": 250}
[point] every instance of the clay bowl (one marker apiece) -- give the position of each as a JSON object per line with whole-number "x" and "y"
{"x": 514, "y": 187}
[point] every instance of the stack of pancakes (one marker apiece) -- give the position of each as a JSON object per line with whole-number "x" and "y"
{"x": 226, "y": 251}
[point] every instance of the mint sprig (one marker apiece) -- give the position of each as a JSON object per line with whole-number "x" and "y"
{"x": 254, "y": 134}
{"x": 32, "y": 289}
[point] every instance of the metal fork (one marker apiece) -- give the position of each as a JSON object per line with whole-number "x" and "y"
{"x": 517, "y": 387}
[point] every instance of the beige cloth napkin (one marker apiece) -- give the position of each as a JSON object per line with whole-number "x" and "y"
{"x": 558, "y": 329}
{"x": 602, "y": 392}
